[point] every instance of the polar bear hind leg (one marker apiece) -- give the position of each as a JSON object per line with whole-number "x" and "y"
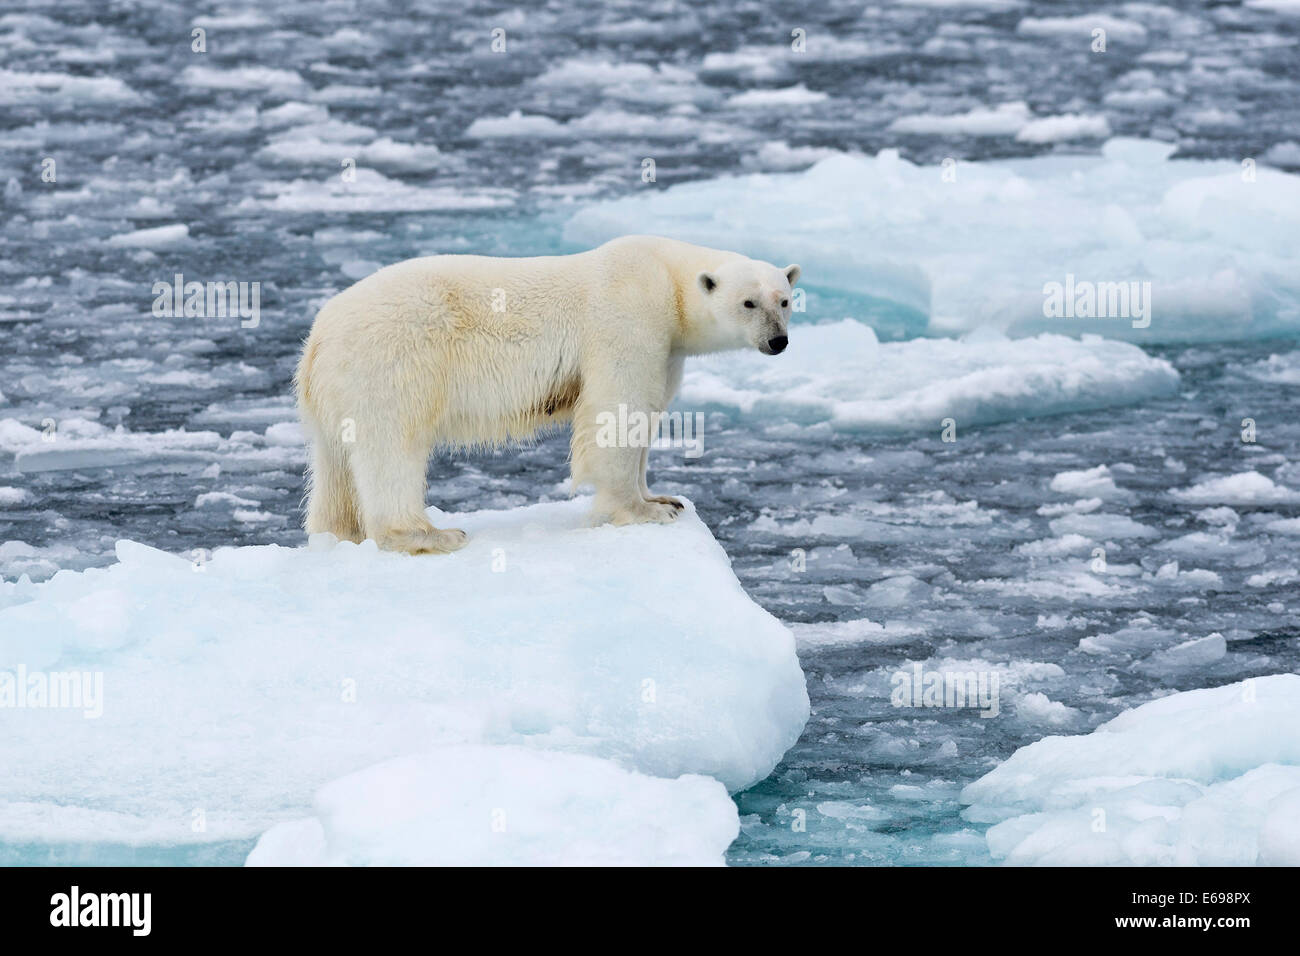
{"x": 390, "y": 487}
{"x": 331, "y": 496}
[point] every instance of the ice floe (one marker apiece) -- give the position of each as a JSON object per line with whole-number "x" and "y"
{"x": 839, "y": 372}
{"x": 963, "y": 245}
{"x": 236, "y": 685}
{"x": 1200, "y": 778}
{"x": 506, "y": 805}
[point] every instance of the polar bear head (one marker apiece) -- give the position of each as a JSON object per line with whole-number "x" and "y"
{"x": 749, "y": 302}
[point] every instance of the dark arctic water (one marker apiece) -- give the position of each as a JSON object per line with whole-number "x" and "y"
{"x": 242, "y": 146}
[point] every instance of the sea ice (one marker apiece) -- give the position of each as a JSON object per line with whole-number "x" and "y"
{"x": 235, "y": 686}
{"x": 839, "y": 372}
{"x": 1200, "y": 778}
{"x": 965, "y": 245}
{"x": 506, "y": 805}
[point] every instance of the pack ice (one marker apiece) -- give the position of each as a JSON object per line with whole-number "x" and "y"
{"x": 552, "y": 693}
{"x": 952, "y": 247}
{"x": 1200, "y": 778}
{"x": 840, "y": 373}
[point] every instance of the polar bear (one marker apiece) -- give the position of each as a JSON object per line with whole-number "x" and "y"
{"x": 463, "y": 351}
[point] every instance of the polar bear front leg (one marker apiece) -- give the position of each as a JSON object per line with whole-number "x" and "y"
{"x": 609, "y": 452}
{"x": 390, "y": 485}
{"x": 618, "y": 478}
{"x": 676, "y": 366}
{"x": 645, "y": 487}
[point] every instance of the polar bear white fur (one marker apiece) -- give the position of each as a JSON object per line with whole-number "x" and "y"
{"x": 474, "y": 350}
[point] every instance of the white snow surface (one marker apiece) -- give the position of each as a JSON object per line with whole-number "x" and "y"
{"x": 840, "y": 373}
{"x": 975, "y": 244}
{"x": 506, "y": 805}
{"x": 241, "y": 685}
{"x": 1199, "y": 778}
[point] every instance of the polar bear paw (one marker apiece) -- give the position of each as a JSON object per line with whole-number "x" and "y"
{"x": 646, "y": 512}
{"x": 667, "y": 500}
{"x": 424, "y": 540}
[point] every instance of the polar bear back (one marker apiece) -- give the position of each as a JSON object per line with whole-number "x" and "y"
{"x": 468, "y": 350}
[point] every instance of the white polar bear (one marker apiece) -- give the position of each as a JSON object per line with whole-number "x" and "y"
{"x": 474, "y": 350}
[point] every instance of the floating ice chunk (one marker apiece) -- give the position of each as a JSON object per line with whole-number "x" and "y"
{"x": 1201, "y": 578}
{"x": 1141, "y": 99}
{"x": 371, "y": 191}
{"x": 1080, "y": 28}
{"x": 1246, "y": 488}
{"x": 1222, "y": 517}
{"x": 285, "y": 433}
{"x": 216, "y": 499}
{"x": 1008, "y": 119}
{"x": 852, "y": 814}
{"x": 506, "y": 805}
{"x": 1139, "y": 638}
{"x": 1101, "y": 527}
{"x": 978, "y": 243}
{"x": 82, "y": 445}
{"x": 1038, "y": 708}
{"x": 244, "y": 20}
{"x": 295, "y": 114}
{"x": 284, "y": 82}
{"x": 1063, "y": 546}
{"x": 598, "y": 123}
{"x": 780, "y": 155}
{"x": 1271, "y": 577}
{"x": 242, "y": 683}
{"x": 16, "y": 87}
{"x": 756, "y": 64}
{"x": 1059, "y": 129}
{"x": 605, "y": 75}
{"x": 858, "y": 631}
{"x": 1277, "y": 369}
{"x": 839, "y": 372}
{"x": 1189, "y": 654}
{"x": 1080, "y": 506}
{"x": 903, "y": 590}
{"x": 151, "y": 238}
{"x": 1091, "y": 482}
{"x": 1204, "y": 777}
{"x": 296, "y": 148}
{"x": 798, "y": 95}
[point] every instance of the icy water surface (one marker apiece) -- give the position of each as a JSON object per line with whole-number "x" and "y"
{"x": 882, "y": 551}
{"x": 958, "y": 556}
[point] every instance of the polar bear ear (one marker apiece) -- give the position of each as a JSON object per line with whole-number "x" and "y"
{"x": 708, "y": 281}
{"x": 792, "y": 273}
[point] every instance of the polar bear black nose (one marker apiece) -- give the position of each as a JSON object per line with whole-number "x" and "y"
{"x": 778, "y": 343}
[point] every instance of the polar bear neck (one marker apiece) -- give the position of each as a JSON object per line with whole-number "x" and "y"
{"x": 698, "y": 331}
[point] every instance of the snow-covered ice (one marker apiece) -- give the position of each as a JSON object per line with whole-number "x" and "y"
{"x": 1199, "y": 778}
{"x": 838, "y": 372}
{"x": 506, "y": 805}
{"x": 948, "y": 248}
{"x": 235, "y": 686}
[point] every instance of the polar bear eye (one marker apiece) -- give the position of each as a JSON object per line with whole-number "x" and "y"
{"x": 784, "y": 303}
{"x": 749, "y": 304}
